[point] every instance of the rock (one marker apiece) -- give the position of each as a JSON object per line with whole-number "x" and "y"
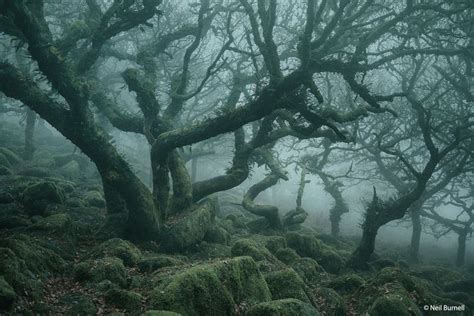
{"x": 394, "y": 305}
{"x": 95, "y": 199}
{"x": 38, "y": 172}
{"x": 79, "y": 304}
{"x": 155, "y": 312}
{"x": 309, "y": 271}
{"x": 310, "y": 246}
{"x": 285, "y": 307}
{"x": 274, "y": 243}
{"x": 248, "y": 247}
{"x": 98, "y": 270}
{"x": 190, "y": 230}
{"x": 157, "y": 262}
{"x": 217, "y": 235}
{"x": 347, "y": 283}
{"x": 70, "y": 171}
{"x": 4, "y": 161}
{"x": 287, "y": 255}
{"x": 9, "y": 155}
{"x": 330, "y": 302}
{"x": 7, "y": 294}
{"x": 119, "y": 248}
{"x": 38, "y": 196}
{"x": 208, "y": 251}
{"x": 211, "y": 289}
{"x": 58, "y": 225}
{"x": 5, "y": 171}
{"x": 75, "y": 202}
{"x": 128, "y": 300}
{"x": 286, "y": 284}
{"x": 438, "y": 275}
{"x": 382, "y": 263}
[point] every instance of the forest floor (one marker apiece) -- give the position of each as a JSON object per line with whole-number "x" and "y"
{"x": 57, "y": 258}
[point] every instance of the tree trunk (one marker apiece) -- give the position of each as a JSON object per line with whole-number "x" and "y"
{"x": 461, "y": 254}
{"x": 416, "y": 236}
{"x": 29, "y": 149}
{"x": 365, "y": 249}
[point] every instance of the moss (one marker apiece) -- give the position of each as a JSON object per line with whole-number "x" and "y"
{"x": 95, "y": 199}
{"x": 211, "y": 289}
{"x": 310, "y": 246}
{"x": 309, "y": 270}
{"x": 128, "y": 300}
{"x": 58, "y": 225}
{"x": 286, "y": 284}
{"x": 287, "y": 255}
{"x": 5, "y": 171}
{"x": 217, "y": 235}
{"x": 7, "y": 294}
{"x": 75, "y": 202}
{"x": 382, "y": 263}
{"x": 38, "y": 196}
{"x": 190, "y": 230}
{"x": 206, "y": 251}
{"x": 463, "y": 285}
{"x": 38, "y": 259}
{"x": 438, "y": 275}
{"x": 155, "y": 312}
{"x": 394, "y": 305}
{"x": 70, "y": 170}
{"x": 157, "y": 262}
{"x": 12, "y": 158}
{"x": 285, "y": 307}
{"x": 275, "y": 243}
{"x": 119, "y": 248}
{"x": 38, "y": 172}
{"x": 4, "y": 161}
{"x": 330, "y": 302}
{"x": 79, "y": 304}
{"x": 248, "y": 247}
{"x": 346, "y": 284}
{"x": 98, "y": 270}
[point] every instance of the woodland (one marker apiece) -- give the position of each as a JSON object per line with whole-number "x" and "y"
{"x": 236, "y": 157}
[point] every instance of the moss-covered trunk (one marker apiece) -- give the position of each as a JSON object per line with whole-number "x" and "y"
{"x": 461, "y": 253}
{"x": 29, "y": 149}
{"x": 415, "y": 236}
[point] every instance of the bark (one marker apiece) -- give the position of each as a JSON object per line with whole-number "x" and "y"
{"x": 416, "y": 236}
{"x": 29, "y": 135}
{"x": 461, "y": 253}
{"x": 267, "y": 211}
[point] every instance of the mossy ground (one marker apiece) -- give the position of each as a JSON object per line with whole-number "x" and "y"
{"x": 56, "y": 258}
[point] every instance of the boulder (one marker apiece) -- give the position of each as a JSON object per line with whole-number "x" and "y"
{"x": 98, "y": 270}
{"x": 37, "y": 197}
{"x": 286, "y": 284}
{"x": 211, "y": 289}
{"x": 119, "y": 248}
{"x": 285, "y": 307}
{"x": 7, "y": 294}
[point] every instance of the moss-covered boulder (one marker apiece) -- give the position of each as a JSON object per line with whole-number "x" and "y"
{"x": 217, "y": 235}
{"x": 157, "y": 262}
{"x": 4, "y": 161}
{"x": 98, "y": 270}
{"x": 211, "y": 289}
{"x": 154, "y": 312}
{"x": 346, "y": 283}
{"x": 5, "y": 171}
{"x": 286, "y": 284}
{"x": 310, "y": 246}
{"x": 310, "y": 271}
{"x": 285, "y": 307}
{"x": 129, "y": 300}
{"x": 37, "y": 197}
{"x": 78, "y": 304}
{"x": 189, "y": 230}
{"x": 7, "y": 294}
{"x": 396, "y": 304}
{"x": 249, "y": 247}
{"x": 438, "y": 275}
{"x": 10, "y": 156}
{"x": 274, "y": 243}
{"x": 38, "y": 172}
{"x": 95, "y": 199}
{"x": 330, "y": 302}
{"x": 58, "y": 228}
{"x": 74, "y": 202}
{"x": 287, "y": 255}
{"x": 70, "y": 170}
{"x": 119, "y": 248}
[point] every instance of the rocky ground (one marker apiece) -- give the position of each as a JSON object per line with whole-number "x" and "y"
{"x": 56, "y": 257}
